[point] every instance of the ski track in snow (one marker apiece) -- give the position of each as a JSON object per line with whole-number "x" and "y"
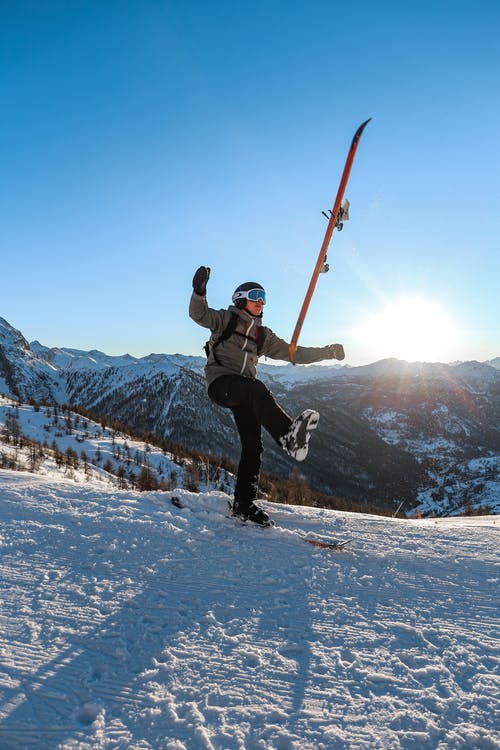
{"x": 126, "y": 622}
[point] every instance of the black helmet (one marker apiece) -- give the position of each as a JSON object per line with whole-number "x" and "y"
{"x": 244, "y": 292}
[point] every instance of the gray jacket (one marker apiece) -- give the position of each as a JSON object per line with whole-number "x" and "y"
{"x": 239, "y": 353}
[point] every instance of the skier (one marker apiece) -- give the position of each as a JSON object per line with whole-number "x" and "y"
{"x": 237, "y": 340}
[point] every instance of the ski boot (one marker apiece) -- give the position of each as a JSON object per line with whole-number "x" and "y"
{"x": 252, "y": 513}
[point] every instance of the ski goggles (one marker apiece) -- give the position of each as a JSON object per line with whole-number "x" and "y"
{"x": 252, "y": 294}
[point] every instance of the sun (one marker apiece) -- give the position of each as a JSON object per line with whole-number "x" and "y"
{"x": 413, "y": 329}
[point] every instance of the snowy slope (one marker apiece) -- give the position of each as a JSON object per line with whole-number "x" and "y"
{"x": 126, "y": 622}
{"x": 103, "y": 447}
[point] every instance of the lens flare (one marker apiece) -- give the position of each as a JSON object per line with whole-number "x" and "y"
{"x": 411, "y": 329}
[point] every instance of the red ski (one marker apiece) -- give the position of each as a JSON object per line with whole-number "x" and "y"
{"x": 335, "y": 220}
{"x": 326, "y": 545}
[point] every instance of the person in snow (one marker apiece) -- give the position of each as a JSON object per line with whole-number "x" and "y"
{"x": 237, "y": 340}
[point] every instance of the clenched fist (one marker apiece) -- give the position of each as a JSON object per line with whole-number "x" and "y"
{"x": 200, "y": 280}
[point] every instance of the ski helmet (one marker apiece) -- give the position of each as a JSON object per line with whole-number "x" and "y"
{"x": 243, "y": 292}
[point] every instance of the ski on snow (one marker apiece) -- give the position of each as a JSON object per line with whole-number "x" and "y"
{"x": 324, "y": 544}
{"x": 338, "y": 214}
{"x": 334, "y": 544}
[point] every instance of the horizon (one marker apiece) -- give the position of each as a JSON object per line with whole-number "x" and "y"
{"x": 267, "y": 363}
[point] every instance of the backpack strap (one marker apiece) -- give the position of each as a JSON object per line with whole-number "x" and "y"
{"x": 226, "y": 333}
{"x": 228, "y": 330}
{"x": 261, "y": 338}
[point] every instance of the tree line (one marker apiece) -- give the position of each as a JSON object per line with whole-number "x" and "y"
{"x": 134, "y": 470}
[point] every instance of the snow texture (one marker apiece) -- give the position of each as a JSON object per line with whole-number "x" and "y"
{"x": 127, "y": 622}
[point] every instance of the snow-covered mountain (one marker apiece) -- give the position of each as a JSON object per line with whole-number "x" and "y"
{"x": 388, "y": 432}
{"x": 129, "y": 623}
{"x": 22, "y": 371}
{"x": 495, "y": 362}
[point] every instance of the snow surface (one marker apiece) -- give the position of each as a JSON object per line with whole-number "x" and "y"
{"x": 67, "y": 429}
{"x": 126, "y": 622}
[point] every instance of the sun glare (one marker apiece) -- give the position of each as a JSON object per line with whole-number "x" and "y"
{"x": 411, "y": 329}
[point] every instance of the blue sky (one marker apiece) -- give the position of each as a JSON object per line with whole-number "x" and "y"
{"x": 142, "y": 139}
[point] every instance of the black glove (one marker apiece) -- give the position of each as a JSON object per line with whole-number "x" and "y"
{"x": 336, "y": 351}
{"x": 200, "y": 280}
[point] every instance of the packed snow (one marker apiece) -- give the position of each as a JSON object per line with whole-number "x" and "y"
{"x": 127, "y": 622}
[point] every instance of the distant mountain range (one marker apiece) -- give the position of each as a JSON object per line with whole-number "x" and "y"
{"x": 389, "y": 431}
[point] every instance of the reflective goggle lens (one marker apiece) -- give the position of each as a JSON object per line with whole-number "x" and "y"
{"x": 255, "y": 294}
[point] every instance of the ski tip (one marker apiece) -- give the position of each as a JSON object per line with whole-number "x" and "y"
{"x": 357, "y": 134}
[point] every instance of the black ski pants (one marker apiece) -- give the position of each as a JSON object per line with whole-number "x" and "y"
{"x": 253, "y": 406}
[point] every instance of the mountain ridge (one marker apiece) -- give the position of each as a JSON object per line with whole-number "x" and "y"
{"x": 389, "y": 431}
